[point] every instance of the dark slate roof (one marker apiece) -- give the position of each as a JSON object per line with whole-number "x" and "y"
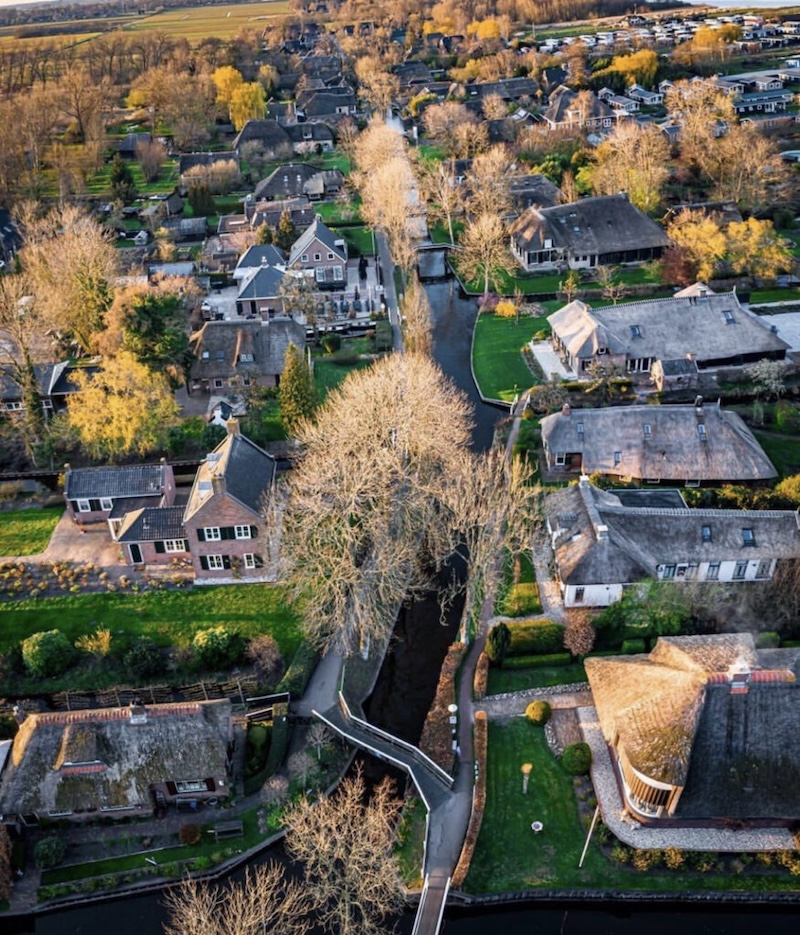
{"x": 62, "y": 383}
{"x": 259, "y": 254}
{"x": 591, "y": 226}
{"x": 124, "y": 505}
{"x": 286, "y": 181}
{"x": 132, "y": 480}
{"x": 561, "y": 108}
{"x": 263, "y": 283}
{"x": 153, "y": 524}
{"x": 246, "y": 472}
{"x": 10, "y": 240}
{"x": 269, "y": 133}
{"x": 45, "y": 375}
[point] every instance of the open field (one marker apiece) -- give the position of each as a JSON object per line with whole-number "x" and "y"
{"x": 497, "y": 356}
{"x": 27, "y": 532}
{"x": 223, "y": 22}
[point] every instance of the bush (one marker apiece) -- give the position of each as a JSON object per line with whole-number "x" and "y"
{"x": 49, "y": 852}
{"x": 769, "y": 639}
{"x": 190, "y": 834}
{"x": 478, "y": 801}
{"x": 674, "y": 858}
{"x": 522, "y": 599}
{"x": 633, "y": 647}
{"x": 536, "y": 637}
{"x": 143, "y": 659}
{"x": 481, "y": 678}
{"x": 48, "y": 653}
{"x": 539, "y": 713}
{"x": 331, "y": 343}
{"x": 787, "y": 418}
{"x": 265, "y": 654}
{"x": 577, "y": 759}
{"x": 538, "y": 662}
{"x": 217, "y": 648}
{"x": 498, "y": 643}
{"x": 645, "y": 859}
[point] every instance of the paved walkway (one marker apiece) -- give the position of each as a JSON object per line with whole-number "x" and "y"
{"x": 550, "y": 362}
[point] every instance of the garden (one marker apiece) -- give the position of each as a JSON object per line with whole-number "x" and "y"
{"x": 28, "y": 531}
{"x": 497, "y": 361}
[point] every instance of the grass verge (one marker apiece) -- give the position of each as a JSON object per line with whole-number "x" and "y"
{"x": 517, "y": 680}
{"x": 27, "y": 532}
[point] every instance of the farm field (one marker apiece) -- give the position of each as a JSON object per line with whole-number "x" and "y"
{"x": 224, "y": 22}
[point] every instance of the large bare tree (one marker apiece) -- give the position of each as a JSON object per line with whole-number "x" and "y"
{"x": 345, "y": 846}
{"x": 633, "y": 159}
{"x": 363, "y": 524}
{"x": 484, "y": 250}
{"x": 416, "y": 317}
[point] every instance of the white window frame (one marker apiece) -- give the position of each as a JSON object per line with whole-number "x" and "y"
{"x": 330, "y": 255}
{"x": 218, "y": 384}
{"x": 561, "y": 459}
{"x": 249, "y": 560}
{"x": 319, "y": 272}
{"x": 337, "y": 272}
{"x": 242, "y": 532}
{"x": 304, "y": 258}
{"x": 317, "y": 257}
{"x": 84, "y": 506}
{"x": 13, "y": 407}
{"x": 212, "y": 533}
{"x": 175, "y": 545}
{"x": 740, "y": 570}
{"x": 106, "y": 503}
{"x": 47, "y": 404}
{"x": 215, "y": 563}
{"x": 713, "y": 571}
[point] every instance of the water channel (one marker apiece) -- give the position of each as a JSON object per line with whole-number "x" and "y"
{"x": 402, "y": 696}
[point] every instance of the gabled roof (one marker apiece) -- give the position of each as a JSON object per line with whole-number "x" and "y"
{"x": 152, "y": 524}
{"x": 660, "y": 442}
{"x": 591, "y": 226}
{"x": 269, "y": 133}
{"x": 712, "y": 327}
{"x": 561, "y": 108}
{"x": 237, "y": 468}
{"x": 264, "y": 282}
{"x": 260, "y": 255}
{"x": 286, "y": 181}
{"x": 131, "y": 480}
{"x": 321, "y": 232}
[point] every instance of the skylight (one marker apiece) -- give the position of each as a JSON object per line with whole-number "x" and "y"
{"x": 748, "y": 537}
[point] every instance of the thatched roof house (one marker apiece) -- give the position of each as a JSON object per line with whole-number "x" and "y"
{"x": 673, "y": 444}
{"x": 113, "y": 760}
{"x": 701, "y": 728}
{"x": 603, "y": 545}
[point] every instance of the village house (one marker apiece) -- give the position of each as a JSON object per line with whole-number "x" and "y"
{"x": 606, "y": 542}
{"x": 261, "y": 292}
{"x": 224, "y": 517}
{"x": 107, "y": 493}
{"x": 117, "y": 762}
{"x": 572, "y": 110}
{"x": 697, "y": 328}
{"x": 602, "y": 231}
{"x": 235, "y": 355}
{"x": 152, "y": 535}
{"x": 692, "y": 445}
{"x": 702, "y": 728}
{"x": 320, "y": 253}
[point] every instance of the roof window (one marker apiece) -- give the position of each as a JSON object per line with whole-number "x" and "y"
{"x": 705, "y": 533}
{"x": 748, "y": 537}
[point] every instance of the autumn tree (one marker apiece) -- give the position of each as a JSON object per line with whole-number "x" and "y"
{"x": 364, "y": 525}
{"x": 388, "y": 202}
{"x": 297, "y": 393}
{"x": 376, "y": 145}
{"x": 379, "y": 87}
{"x": 454, "y": 128}
{"x": 265, "y": 901}
{"x": 123, "y": 408}
{"x": 484, "y": 251}
{"x": 701, "y": 109}
{"x": 227, "y": 81}
{"x": 345, "y": 846}
{"x": 633, "y": 159}
{"x": 415, "y": 312}
{"x": 248, "y": 102}
{"x": 84, "y": 101}
{"x": 579, "y": 632}
{"x": 487, "y": 182}
{"x": 493, "y": 107}
{"x": 754, "y": 248}
{"x": 151, "y": 155}
{"x": 700, "y": 240}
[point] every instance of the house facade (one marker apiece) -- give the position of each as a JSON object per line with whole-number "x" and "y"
{"x": 603, "y": 546}
{"x": 321, "y": 254}
{"x": 107, "y": 493}
{"x": 153, "y": 536}
{"x": 223, "y": 520}
{"x": 603, "y": 231}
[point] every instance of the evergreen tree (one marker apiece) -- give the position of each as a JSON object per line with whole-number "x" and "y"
{"x": 297, "y": 393}
{"x": 265, "y": 234}
{"x": 498, "y": 643}
{"x": 202, "y": 201}
{"x": 121, "y": 177}
{"x": 286, "y": 233}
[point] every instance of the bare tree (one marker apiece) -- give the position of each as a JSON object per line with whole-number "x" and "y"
{"x": 345, "y": 846}
{"x": 264, "y": 902}
{"x": 363, "y": 523}
{"x": 611, "y": 288}
{"x": 150, "y": 156}
{"x": 377, "y": 145}
{"x": 494, "y": 107}
{"x": 487, "y": 182}
{"x": 484, "y": 251}
{"x": 388, "y": 201}
{"x": 579, "y": 632}
{"x": 633, "y": 159}
{"x": 438, "y": 187}
{"x": 416, "y": 317}
{"x": 319, "y": 736}
{"x": 379, "y": 87}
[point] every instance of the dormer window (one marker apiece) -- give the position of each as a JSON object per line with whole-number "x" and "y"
{"x": 748, "y": 537}
{"x": 729, "y": 318}
{"x": 220, "y": 355}
{"x": 579, "y": 428}
{"x": 617, "y": 458}
{"x": 205, "y": 355}
{"x": 701, "y": 432}
{"x": 636, "y": 331}
{"x": 245, "y": 358}
{"x": 705, "y": 533}
{"x": 648, "y": 430}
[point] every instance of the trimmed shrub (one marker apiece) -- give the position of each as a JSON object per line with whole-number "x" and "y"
{"x": 536, "y": 637}
{"x": 331, "y": 343}
{"x": 538, "y": 662}
{"x": 481, "y": 678}
{"x": 143, "y": 659}
{"x": 645, "y": 859}
{"x": 218, "y": 648}
{"x": 674, "y": 858}
{"x": 436, "y": 739}
{"x": 577, "y": 759}
{"x": 539, "y": 713}
{"x": 498, "y": 643}
{"x": 190, "y": 834}
{"x": 769, "y": 639}
{"x": 633, "y": 647}
{"x": 49, "y": 852}
{"x": 48, "y": 653}
{"x": 787, "y": 418}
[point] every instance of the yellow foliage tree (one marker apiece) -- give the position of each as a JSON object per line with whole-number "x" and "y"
{"x": 122, "y": 409}
{"x": 636, "y": 68}
{"x": 505, "y": 309}
{"x": 700, "y": 239}
{"x": 756, "y": 249}
{"x": 484, "y": 29}
{"x": 226, "y": 80}
{"x": 248, "y": 102}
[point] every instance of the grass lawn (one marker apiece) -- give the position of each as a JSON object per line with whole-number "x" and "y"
{"x": 167, "y": 617}
{"x": 224, "y": 22}
{"x": 27, "y": 532}
{"x": 509, "y": 856}
{"x": 339, "y": 212}
{"x": 410, "y": 844}
{"x": 782, "y": 450}
{"x": 759, "y": 296}
{"x": 328, "y": 374}
{"x": 497, "y": 357}
{"x": 359, "y": 239}
{"x": 517, "y": 680}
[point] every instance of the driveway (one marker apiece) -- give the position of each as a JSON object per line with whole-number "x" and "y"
{"x": 69, "y": 544}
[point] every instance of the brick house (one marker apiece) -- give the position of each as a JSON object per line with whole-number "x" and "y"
{"x": 223, "y": 522}
{"x": 322, "y": 254}
{"x": 108, "y": 493}
{"x": 153, "y": 536}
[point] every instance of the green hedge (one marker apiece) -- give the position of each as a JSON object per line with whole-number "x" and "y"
{"x": 537, "y": 662}
{"x": 279, "y": 741}
{"x": 297, "y": 676}
{"x": 633, "y": 647}
{"x": 769, "y": 639}
{"x": 535, "y": 637}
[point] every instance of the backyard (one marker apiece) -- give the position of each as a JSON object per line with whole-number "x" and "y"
{"x": 500, "y": 370}
{"x": 27, "y": 532}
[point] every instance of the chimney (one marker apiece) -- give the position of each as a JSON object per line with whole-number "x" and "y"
{"x": 565, "y": 410}
{"x": 232, "y": 425}
{"x": 218, "y": 483}
{"x": 698, "y": 404}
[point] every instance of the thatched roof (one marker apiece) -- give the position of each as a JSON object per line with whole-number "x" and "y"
{"x": 659, "y": 442}
{"x": 678, "y": 721}
{"x": 87, "y": 760}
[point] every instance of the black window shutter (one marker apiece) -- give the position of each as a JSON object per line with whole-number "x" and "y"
{"x": 259, "y": 561}
{"x": 204, "y": 563}
{"x": 226, "y": 561}
{"x": 201, "y": 534}
{"x": 160, "y": 548}
{"x": 228, "y": 532}
{"x": 95, "y": 505}
{"x": 254, "y": 532}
